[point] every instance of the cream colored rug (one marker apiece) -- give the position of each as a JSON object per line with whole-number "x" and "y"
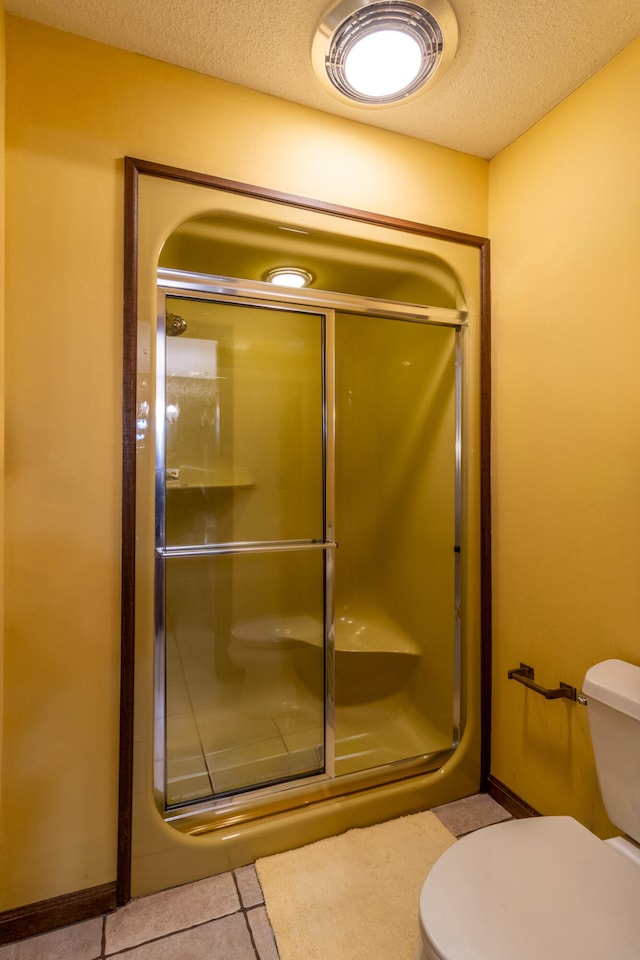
{"x": 353, "y": 897}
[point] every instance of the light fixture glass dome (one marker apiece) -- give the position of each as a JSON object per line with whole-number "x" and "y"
{"x": 385, "y": 51}
{"x": 289, "y": 276}
{"x": 402, "y": 57}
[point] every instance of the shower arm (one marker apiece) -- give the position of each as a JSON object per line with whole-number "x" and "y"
{"x": 524, "y": 675}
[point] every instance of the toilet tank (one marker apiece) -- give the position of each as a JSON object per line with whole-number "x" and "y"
{"x": 613, "y": 693}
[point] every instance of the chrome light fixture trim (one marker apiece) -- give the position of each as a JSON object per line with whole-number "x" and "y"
{"x": 289, "y": 276}
{"x": 430, "y": 24}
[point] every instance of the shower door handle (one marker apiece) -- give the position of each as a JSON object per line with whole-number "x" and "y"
{"x": 257, "y": 546}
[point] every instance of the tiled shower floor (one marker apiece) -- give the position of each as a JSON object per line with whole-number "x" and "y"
{"x": 220, "y": 740}
{"x": 220, "y": 918}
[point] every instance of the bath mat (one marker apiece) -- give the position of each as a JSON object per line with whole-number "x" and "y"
{"x": 355, "y": 896}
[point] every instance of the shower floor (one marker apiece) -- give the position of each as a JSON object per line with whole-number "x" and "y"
{"x": 215, "y": 746}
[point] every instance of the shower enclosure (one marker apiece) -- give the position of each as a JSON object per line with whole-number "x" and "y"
{"x": 305, "y": 619}
{"x": 307, "y": 540}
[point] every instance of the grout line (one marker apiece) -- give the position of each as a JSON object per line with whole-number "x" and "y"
{"x": 244, "y": 910}
{"x": 251, "y": 937}
{"x": 262, "y": 906}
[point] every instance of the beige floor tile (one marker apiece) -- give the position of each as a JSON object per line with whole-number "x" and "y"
{"x": 249, "y": 886}
{"x": 177, "y": 909}
{"x": 262, "y": 934}
{"x": 471, "y": 813}
{"x": 82, "y": 941}
{"x": 225, "y": 939}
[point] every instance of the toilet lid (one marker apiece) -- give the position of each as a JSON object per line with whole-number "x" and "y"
{"x": 529, "y": 889}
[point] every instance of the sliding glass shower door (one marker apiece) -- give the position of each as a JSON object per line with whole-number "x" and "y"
{"x": 241, "y": 544}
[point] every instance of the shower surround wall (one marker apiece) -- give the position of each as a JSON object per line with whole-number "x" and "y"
{"x": 178, "y": 845}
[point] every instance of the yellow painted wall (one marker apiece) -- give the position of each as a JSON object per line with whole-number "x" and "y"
{"x": 565, "y": 228}
{"x": 74, "y": 109}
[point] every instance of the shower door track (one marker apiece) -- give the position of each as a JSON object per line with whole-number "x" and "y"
{"x": 308, "y": 298}
{"x": 215, "y": 812}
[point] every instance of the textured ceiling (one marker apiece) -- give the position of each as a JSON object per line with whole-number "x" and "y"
{"x": 516, "y": 59}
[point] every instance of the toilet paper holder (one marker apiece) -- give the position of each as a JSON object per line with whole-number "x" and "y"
{"x": 525, "y": 674}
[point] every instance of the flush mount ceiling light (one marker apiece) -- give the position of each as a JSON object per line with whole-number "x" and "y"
{"x": 379, "y": 52}
{"x": 289, "y": 277}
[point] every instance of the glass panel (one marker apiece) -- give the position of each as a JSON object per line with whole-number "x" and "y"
{"x": 243, "y": 404}
{"x": 395, "y": 631}
{"x": 245, "y": 671}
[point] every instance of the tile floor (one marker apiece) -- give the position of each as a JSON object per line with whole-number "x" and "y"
{"x": 220, "y": 918}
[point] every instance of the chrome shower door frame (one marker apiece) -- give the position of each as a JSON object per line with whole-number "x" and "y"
{"x": 194, "y": 291}
{"x": 198, "y": 816}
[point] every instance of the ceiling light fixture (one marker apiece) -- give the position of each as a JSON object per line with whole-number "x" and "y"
{"x": 289, "y": 277}
{"x": 379, "y": 52}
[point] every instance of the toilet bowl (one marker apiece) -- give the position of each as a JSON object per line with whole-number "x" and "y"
{"x": 265, "y": 649}
{"x": 536, "y": 889}
{"x": 546, "y": 887}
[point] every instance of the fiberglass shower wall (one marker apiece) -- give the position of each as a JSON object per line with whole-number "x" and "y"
{"x": 307, "y": 538}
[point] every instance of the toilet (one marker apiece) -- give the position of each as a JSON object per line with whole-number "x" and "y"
{"x": 546, "y": 887}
